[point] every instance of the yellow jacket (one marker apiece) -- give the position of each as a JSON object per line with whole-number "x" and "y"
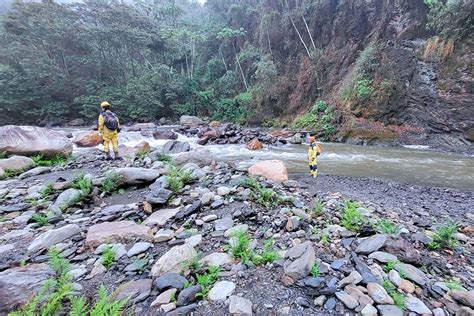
{"x": 313, "y": 151}
{"x": 102, "y": 128}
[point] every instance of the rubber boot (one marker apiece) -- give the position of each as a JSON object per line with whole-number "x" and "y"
{"x": 107, "y": 156}
{"x": 117, "y": 157}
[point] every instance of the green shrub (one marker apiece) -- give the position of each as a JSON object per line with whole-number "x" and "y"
{"x": 108, "y": 257}
{"x": 315, "y": 270}
{"x": 317, "y": 208}
{"x": 364, "y": 90}
{"x": 239, "y": 246}
{"x": 444, "y": 236}
{"x": 111, "y": 182}
{"x": 390, "y": 265}
{"x": 386, "y": 226}
{"x": 352, "y": 219}
{"x": 398, "y": 298}
{"x": 47, "y": 191}
{"x": 192, "y": 263}
{"x": 57, "y": 160}
{"x": 40, "y": 219}
{"x": 81, "y": 182}
{"x": 267, "y": 255}
{"x": 177, "y": 178}
{"x": 206, "y": 280}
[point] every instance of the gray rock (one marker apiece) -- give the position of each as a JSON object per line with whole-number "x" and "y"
{"x": 463, "y": 297}
{"x": 175, "y": 147}
{"x": 412, "y": 273}
{"x": 188, "y": 295}
{"x": 293, "y": 223}
{"x": 34, "y": 172}
{"x": 216, "y": 204}
{"x": 338, "y": 264}
{"x": 77, "y": 273}
{"x": 132, "y": 176}
{"x": 161, "y": 217}
{"x": 352, "y": 278}
{"x": 383, "y": 257}
{"x": 378, "y": 294}
{"x": 52, "y": 237}
{"x": 395, "y": 277}
{"x": 365, "y": 272}
{"x": 371, "y": 244}
{"x": 439, "y": 312}
{"x": 314, "y": 282}
{"x": 16, "y": 163}
{"x": 330, "y": 304}
{"x": 183, "y": 310}
{"x": 319, "y": 301}
{"x": 347, "y": 299}
{"x": 118, "y": 209}
{"x": 223, "y": 224}
{"x": 233, "y": 230}
{"x": 135, "y": 291}
{"x": 191, "y": 121}
{"x": 68, "y": 198}
{"x": 389, "y": 310}
{"x": 299, "y": 261}
{"x": 221, "y": 290}
{"x": 302, "y": 301}
{"x": 139, "y": 248}
{"x": 239, "y": 306}
{"x": 170, "y": 280}
{"x": 414, "y": 304}
{"x": 18, "y": 285}
{"x": 164, "y": 235}
{"x": 173, "y": 259}
{"x": 158, "y": 196}
{"x": 216, "y": 259}
{"x": 368, "y": 310}
{"x": 207, "y": 198}
{"x": 223, "y": 191}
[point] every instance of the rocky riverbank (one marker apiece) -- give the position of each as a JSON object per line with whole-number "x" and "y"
{"x": 181, "y": 233}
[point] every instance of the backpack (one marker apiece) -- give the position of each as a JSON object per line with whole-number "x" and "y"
{"x": 110, "y": 120}
{"x": 318, "y": 149}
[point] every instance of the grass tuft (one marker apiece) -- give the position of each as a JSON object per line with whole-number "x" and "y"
{"x": 444, "y": 237}
{"x": 315, "y": 270}
{"x": 267, "y": 255}
{"x": 108, "y": 257}
{"x": 40, "y": 219}
{"x": 352, "y": 219}
{"x": 206, "y": 280}
{"x": 111, "y": 182}
{"x": 386, "y": 226}
{"x": 239, "y": 246}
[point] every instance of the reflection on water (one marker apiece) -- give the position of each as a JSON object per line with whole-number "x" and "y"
{"x": 412, "y": 165}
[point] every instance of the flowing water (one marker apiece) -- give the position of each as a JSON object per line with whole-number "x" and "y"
{"x": 417, "y": 165}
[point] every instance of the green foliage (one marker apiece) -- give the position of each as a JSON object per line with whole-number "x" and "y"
{"x": 10, "y": 173}
{"x": 40, "y": 219}
{"x": 386, "y": 226}
{"x": 319, "y": 117}
{"x": 47, "y": 191}
{"x": 453, "y": 285}
{"x": 192, "y": 263}
{"x": 79, "y": 306}
{"x": 390, "y": 265}
{"x": 324, "y": 238}
{"x": 315, "y": 270}
{"x": 352, "y": 219}
{"x": 206, "y": 280}
{"x": 398, "y": 298}
{"x": 107, "y": 306}
{"x": 165, "y": 158}
{"x": 177, "y": 178}
{"x": 264, "y": 196}
{"x": 450, "y": 19}
{"x": 267, "y": 255}
{"x": 444, "y": 236}
{"x": 83, "y": 183}
{"x": 111, "y": 182}
{"x": 317, "y": 208}
{"x": 239, "y": 246}
{"x": 108, "y": 257}
{"x": 57, "y": 160}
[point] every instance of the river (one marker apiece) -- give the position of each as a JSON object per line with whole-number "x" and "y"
{"x": 402, "y": 164}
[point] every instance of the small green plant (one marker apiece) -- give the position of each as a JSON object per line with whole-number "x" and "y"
{"x": 177, "y": 179}
{"x": 268, "y": 254}
{"x": 105, "y": 305}
{"x": 111, "y": 182}
{"x": 453, "y": 285}
{"x": 40, "y": 219}
{"x": 142, "y": 154}
{"x": 165, "y": 158}
{"x": 398, "y": 298}
{"x": 83, "y": 183}
{"x": 3, "y": 218}
{"x": 108, "y": 257}
{"x": 10, "y": 173}
{"x": 251, "y": 183}
{"x": 47, "y": 191}
{"x": 192, "y": 263}
{"x": 173, "y": 297}
{"x": 267, "y": 197}
{"x": 386, "y": 226}
{"x": 206, "y": 280}
{"x": 315, "y": 270}
{"x": 444, "y": 237}
{"x": 352, "y": 219}
{"x": 390, "y": 265}
{"x": 324, "y": 239}
{"x": 317, "y": 208}
{"x": 239, "y": 246}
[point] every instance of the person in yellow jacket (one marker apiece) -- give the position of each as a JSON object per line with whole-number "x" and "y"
{"x": 314, "y": 151}
{"x": 109, "y": 127}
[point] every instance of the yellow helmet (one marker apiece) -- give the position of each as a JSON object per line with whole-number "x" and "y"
{"x": 104, "y": 104}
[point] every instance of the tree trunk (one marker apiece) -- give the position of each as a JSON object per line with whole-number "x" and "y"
{"x": 240, "y": 67}
{"x": 223, "y": 60}
{"x": 301, "y": 38}
{"x": 309, "y": 33}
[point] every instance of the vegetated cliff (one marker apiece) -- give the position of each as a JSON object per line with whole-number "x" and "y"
{"x": 390, "y": 78}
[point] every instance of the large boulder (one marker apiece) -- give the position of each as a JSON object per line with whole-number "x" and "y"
{"x": 18, "y": 285}
{"x": 88, "y": 139}
{"x": 191, "y": 121}
{"x": 299, "y": 260}
{"x": 141, "y": 147}
{"x": 53, "y": 237}
{"x": 16, "y": 163}
{"x": 141, "y": 126}
{"x": 131, "y": 175}
{"x": 202, "y": 157}
{"x": 254, "y": 144}
{"x": 117, "y": 232}
{"x": 165, "y": 135}
{"x": 30, "y": 140}
{"x": 271, "y": 169}
{"x": 172, "y": 261}
{"x": 68, "y": 198}
{"x": 176, "y": 147}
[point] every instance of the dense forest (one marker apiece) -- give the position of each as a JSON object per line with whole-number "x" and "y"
{"x": 360, "y": 68}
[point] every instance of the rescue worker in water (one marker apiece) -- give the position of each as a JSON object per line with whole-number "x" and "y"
{"x": 314, "y": 150}
{"x": 109, "y": 127}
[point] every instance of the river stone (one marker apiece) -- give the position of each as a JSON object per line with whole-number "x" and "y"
{"x": 383, "y": 257}
{"x": 239, "y": 306}
{"x": 223, "y": 191}
{"x": 368, "y": 310}
{"x": 68, "y": 198}
{"x": 18, "y": 285}
{"x": 395, "y": 277}
{"x": 188, "y": 295}
{"x": 161, "y": 217}
{"x": 361, "y": 297}
{"x": 217, "y": 259}
{"x": 117, "y": 209}
{"x": 371, "y": 244}
{"x": 29, "y": 141}
{"x": 116, "y": 232}
{"x": 165, "y": 135}
{"x": 403, "y": 249}
{"x": 412, "y": 273}
{"x": 221, "y": 290}
{"x": 414, "y": 304}
{"x": 157, "y": 196}
{"x": 34, "y": 172}
{"x": 389, "y": 310}
{"x": 463, "y": 297}
{"x": 2, "y": 172}
{"x": 176, "y": 147}
{"x": 53, "y": 237}
{"x": 223, "y": 224}
{"x": 236, "y": 229}
{"x": 135, "y": 291}
{"x": 352, "y": 278}
{"x": 191, "y": 121}
{"x": 172, "y": 260}
{"x": 365, "y": 272}
{"x": 164, "y": 298}
{"x": 139, "y": 248}
{"x": 299, "y": 260}
{"x": 88, "y": 139}
{"x": 164, "y": 235}
{"x": 131, "y": 175}
{"x": 378, "y": 294}
{"x": 270, "y": 169}
{"x": 170, "y": 280}
{"x": 16, "y": 163}
{"x": 347, "y": 299}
